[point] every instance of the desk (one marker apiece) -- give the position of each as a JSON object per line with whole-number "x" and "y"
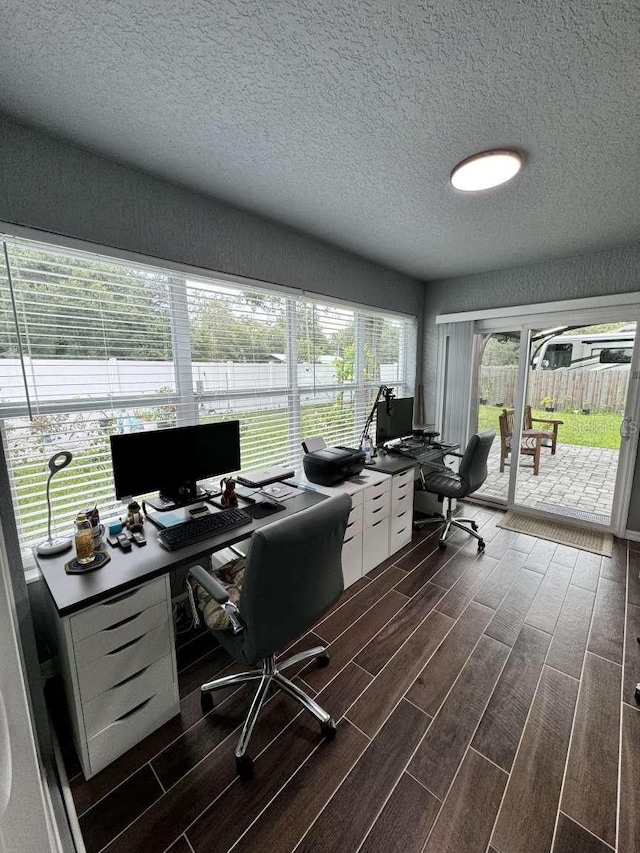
{"x": 395, "y": 464}
{"x": 112, "y": 634}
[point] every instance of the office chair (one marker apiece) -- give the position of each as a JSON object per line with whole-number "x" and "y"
{"x": 292, "y": 577}
{"x": 448, "y": 485}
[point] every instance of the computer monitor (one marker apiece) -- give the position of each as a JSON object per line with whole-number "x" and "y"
{"x": 171, "y": 461}
{"x": 394, "y": 419}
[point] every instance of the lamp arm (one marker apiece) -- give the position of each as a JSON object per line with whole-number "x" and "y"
{"x": 49, "y": 507}
{"x": 382, "y": 390}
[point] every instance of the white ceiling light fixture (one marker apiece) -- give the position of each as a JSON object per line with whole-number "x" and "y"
{"x": 485, "y": 170}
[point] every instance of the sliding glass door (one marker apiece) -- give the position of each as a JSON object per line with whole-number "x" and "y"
{"x": 561, "y": 394}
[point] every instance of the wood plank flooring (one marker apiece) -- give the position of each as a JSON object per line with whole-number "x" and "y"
{"x": 478, "y": 701}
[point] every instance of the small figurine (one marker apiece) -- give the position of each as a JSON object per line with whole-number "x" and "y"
{"x": 229, "y": 497}
{"x": 134, "y": 520}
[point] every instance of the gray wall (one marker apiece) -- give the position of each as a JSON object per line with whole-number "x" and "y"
{"x": 594, "y": 274}
{"x": 48, "y": 184}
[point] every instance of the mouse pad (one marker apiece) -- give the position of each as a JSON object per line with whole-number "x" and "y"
{"x": 262, "y": 510}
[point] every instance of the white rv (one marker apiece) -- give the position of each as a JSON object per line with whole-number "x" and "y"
{"x": 601, "y": 351}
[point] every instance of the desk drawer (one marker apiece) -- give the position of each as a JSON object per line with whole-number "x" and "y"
{"x": 401, "y": 531}
{"x": 130, "y": 728}
{"x": 401, "y": 487}
{"x": 118, "y": 635}
{"x": 123, "y": 697}
{"x": 352, "y": 558}
{"x": 375, "y": 545}
{"x": 372, "y": 492}
{"x": 354, "y": 515}
{"x": 112, "y": 668}
{"x": 402, "y": 502}
{"x": 376, "y": 509}
{"x": 117, "y": 609}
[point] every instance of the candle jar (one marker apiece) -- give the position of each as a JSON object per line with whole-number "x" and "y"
{"x": 84, "y": 539}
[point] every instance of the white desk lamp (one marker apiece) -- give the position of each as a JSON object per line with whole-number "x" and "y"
{"x": 54, "y": 546}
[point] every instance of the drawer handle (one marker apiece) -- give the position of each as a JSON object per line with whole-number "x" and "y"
{"x": 398, "y": 532}
{"x": 402, "y": 498}
{"x": 377, "y": 497}
{"x": 401, "y": 514}
{"x": 402, "y": 486}
{"x": 120, "y": 598}
{"x": 351, "y": 524}
{"x": 126, "y": 645}
{"x": 374, "y": 511}
{"x": 134, "y": 710}
{"x": 378, "y": 522}
{"x": 131, "y": 677}
{"x": 349, "y": 539}
{"x": 123, "y": 622}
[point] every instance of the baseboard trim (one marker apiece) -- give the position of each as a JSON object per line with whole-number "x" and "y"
{"x": 633, "y": 535}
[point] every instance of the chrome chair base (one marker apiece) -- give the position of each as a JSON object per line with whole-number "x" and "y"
{"x": 271, "y": 672}
{"x": 469, "y": 525}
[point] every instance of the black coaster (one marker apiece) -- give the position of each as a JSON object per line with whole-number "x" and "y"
{"x": 73, "y": 567}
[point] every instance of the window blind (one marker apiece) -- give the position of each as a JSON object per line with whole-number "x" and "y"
{"x": 91, "y": 346}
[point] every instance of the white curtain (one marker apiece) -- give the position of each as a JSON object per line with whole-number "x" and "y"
{"x": 455, "y": 371}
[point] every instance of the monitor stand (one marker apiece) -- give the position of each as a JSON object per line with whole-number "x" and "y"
{"x": 171, "y": 498}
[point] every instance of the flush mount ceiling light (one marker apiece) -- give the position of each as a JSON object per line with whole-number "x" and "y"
{"x": 485, "y": 170}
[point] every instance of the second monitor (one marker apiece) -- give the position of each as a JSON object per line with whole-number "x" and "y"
{"x": 171, "y": 461}
{"x": 394, "y": 419}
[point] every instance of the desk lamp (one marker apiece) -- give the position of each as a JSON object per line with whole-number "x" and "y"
{"x": 383, "y": 391}
{"x": 54, "y": 546}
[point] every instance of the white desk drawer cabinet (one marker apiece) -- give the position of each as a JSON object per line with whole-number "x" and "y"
{"x": 401, "y": 510}
{"x": 117, "y": 661}
{"x": 125, "y": 732}
{"x": 352, "y": 557}
{"x": 375, "y": 544}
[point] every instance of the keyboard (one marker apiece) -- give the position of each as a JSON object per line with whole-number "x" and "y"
{"x": 197, "y": 529}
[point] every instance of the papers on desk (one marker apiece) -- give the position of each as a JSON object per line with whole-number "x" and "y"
{"x": 281, "y": 491}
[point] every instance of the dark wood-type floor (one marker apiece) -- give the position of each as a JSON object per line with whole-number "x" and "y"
{"x": 484, "y": 704}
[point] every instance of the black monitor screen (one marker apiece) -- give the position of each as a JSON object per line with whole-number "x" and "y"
{"x": 164, "y": 460}
{"x": 394, "y": 419}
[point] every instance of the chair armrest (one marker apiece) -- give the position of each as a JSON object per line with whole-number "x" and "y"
{"x": 215, "y": 589}
{"x": 210, "y": 584}
{"x": 453, "y": 453}
{"x": 547, "y": 421}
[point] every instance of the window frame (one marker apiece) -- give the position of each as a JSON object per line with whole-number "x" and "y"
{"x": 186, "y": 399}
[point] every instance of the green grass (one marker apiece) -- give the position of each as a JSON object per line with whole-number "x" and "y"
{"x": 599, "y": 429}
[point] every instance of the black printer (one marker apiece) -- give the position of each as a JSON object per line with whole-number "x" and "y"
{"x": 332, "y": 465}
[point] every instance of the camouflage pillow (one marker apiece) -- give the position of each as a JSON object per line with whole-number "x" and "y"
{"x": 230, "y": 576}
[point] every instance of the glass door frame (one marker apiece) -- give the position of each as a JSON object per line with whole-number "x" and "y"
{"x": 628, "y": 445}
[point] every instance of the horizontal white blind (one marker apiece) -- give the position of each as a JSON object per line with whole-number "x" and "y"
{"x": 91, "y": 346}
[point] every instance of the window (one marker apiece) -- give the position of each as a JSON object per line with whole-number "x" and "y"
{"x": 91, "y": 345}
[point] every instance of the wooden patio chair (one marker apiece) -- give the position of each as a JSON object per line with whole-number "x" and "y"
{"x": 530, "y": 446}
{"x": 550, "y": 427}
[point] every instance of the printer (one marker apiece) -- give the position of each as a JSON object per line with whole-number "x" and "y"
{"x": 328, "y": 466}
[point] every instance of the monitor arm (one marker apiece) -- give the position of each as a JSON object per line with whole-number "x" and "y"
{"x": 383, "y": 391}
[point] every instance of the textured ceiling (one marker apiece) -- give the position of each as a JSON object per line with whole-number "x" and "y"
{"x": 344, "y": 119}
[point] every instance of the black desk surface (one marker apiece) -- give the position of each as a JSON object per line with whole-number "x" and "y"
{"x": 393, "y": 463}
{"x": 71, "y": 593}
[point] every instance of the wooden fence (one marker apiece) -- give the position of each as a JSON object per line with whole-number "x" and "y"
{"x": 598, "y": 390}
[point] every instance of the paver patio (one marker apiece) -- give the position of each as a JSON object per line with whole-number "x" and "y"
{"x": 577, "y": 479}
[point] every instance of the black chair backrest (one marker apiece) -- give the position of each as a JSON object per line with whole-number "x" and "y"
{"x": 293, "y": 575}
{"x": 473, "y": 467}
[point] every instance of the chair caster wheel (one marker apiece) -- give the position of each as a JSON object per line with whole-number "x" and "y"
{"x": 323, "y": 660}
{"x": 442, "y": 544}
{"x": 244, "y": 766}
{"x": 206, "y": 702}
{"x": 474, "y": 526}
{"x": 481, "y": 546}
{"x": 328, "y": 729}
